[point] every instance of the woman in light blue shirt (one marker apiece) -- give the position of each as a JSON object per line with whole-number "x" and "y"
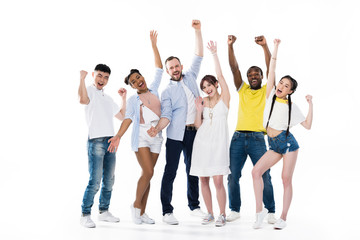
{"x": 144, "y": 110}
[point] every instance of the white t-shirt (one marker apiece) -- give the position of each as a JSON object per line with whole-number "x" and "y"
{"x": 100, "y": 113}
{"x": 280, "y": 114}
{"x": 191, "y": 111}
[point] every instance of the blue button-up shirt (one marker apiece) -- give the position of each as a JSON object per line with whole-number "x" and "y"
{"x": 174, "y": 102}
{"x": 133, "y": 109}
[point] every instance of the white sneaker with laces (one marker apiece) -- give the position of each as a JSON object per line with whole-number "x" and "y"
{"x": 146, "y": 219}
{"x": 108, "y": 217}
{"x": 135, "y": 214}
{"x": 260, "y": 218}
{"x": 197, "y": 212}
{"x": 271, "y": 218}
{"x": 207, "y": 219}
{"x": 170, "y": 219}
{"x": 87, "y": 222}
{"x": 233, "y": 216}
{"x": 280, "y": 224}
{"x": 221, "y": 221}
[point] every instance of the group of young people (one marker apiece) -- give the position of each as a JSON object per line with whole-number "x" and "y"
{"x": 198, "y": 128}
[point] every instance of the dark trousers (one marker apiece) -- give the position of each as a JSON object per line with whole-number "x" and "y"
{"x": 173, "y": 151}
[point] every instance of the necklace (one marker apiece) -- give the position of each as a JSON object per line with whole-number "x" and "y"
{"x": 211, "y": 109}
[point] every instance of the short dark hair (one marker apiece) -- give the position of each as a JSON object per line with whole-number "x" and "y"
{"x": 102, "y": 68}
{"x": 210, "y": 79}
{"x": 255, "y": 68}
{"x": 128, "y": 76}
{"x": 171, "y": 58}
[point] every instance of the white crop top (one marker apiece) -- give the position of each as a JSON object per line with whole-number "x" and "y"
{"x": 280, "y": 114}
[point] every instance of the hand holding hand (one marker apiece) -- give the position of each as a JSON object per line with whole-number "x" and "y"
{"x": 114, "y": 143}
{"x": 196, "y": 24}
{"x": 199, "y": 103}
{"x": 261, "y": 40}
{"x": 212, "y": 46}
{"x": 83, "y": 74}
{"x": 231, "y": 39}
{"x": 153, "y": 37}
{"x": 152, "y": 131}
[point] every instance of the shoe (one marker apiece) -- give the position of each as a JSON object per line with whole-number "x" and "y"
{"x": 87, "y": 222}
{"x": 135, "y": 214}
{"x": 280, "y": 224}
{"x": 209, "y": 218}
{"x": 170, "y": 219}
{"x": 260, "y": 218}
{"x": 108, "y": 217}
{"x": 271, "y": 218}
{"x": 233, "y": 216}
{"x": 145, "y": 219}
{"x": 197, "y": 212}
{"x": 221, "y": 221}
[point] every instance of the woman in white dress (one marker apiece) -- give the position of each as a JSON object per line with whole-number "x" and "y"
{"x": 210, "y": 157}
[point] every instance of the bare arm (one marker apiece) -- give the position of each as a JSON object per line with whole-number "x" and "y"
{"x": 233, "y": 63}
{"x": 84, "y": 98}
{"x": 308, "y": 121}
{"x": 225, "y": 94}
{"x": 199, "y": 48}
{"x": 163, "y": 122}
{"x": 153, "y": 38}
{"x": 261, "y": 40}
{"x": 271, "y": 77}
{"x": 199, "y": 109}
{"x": 114, "y": 141}
{"x": 121, "y": 115}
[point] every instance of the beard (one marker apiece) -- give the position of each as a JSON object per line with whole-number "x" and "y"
{"x": 176, "y": 77}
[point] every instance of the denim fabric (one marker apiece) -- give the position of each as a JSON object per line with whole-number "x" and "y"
{"x": 101, "y": 166}
{"x": 242, "y": 145}
{"x": 173, "y": 151}
{"x": 282, "y": 144}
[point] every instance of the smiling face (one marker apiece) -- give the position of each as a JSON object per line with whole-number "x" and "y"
{"x": 174, "y": 69}
{"x": 209, "y": 88}
{"x": 255, "y": 78}
{"x": 100, "y": 79}
{"x": 138, "y": 82}
{"x": 283, "y": 88}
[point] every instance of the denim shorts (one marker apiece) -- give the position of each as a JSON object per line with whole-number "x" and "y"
{"x": 282, "y": 144}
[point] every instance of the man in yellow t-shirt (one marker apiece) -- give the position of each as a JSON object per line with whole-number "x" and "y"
{"x": 248, "y": 139}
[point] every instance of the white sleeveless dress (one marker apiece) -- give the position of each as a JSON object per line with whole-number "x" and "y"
{"x": 210, "y": 156}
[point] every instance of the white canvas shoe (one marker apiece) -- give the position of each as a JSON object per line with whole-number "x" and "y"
{"x": 280, "y": 224}
{"x": 221, "y": 221}
{"x": 146, "y": 219}
{"x": 108, "y": 217}
{"x": 260, "y": 218}
{"x": 135, "y": 214}
{"x": 208, "y": 219}
{"x": 170, "y": 219}
{"x": 232, "y": 216}
{"x": 197, "y": 212}
{"x": 271, "y": 218}
{"x": 87, "y": 222}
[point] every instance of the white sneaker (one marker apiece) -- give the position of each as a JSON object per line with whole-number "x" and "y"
{"x": 221, "y": 221}
{"x": 86, "y": 221}
{"x": 233, "y": 216}
{"x": 108, "y": 217}
{"x": 135, "y": 214}
{"x": 207, "y": 219}
{"x": 271, "y": 218}
{"x": 260, "y": 218}
{"x": 280, "y": 224}
{"x": 146, "y": 219}
{"x": 170, "y": 219}
{"x": 197, "y": 212}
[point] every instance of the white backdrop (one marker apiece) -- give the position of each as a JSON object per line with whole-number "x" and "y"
{"x": 44, "y": 45}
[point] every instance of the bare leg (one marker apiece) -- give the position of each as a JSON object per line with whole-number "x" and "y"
{"x": 269, "y": 159}
{"x": 287, "y": 174}
{"x": 147, "y": 161}
{"x": 220, "y": 193}
{"x": 206, "y": 192}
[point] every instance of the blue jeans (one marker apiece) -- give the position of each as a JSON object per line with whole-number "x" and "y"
{"x": 101, "y": 165}
{"x": 242, "y": 145}
{"x": 283, "y": 144}
{"x": 173, "y": 151}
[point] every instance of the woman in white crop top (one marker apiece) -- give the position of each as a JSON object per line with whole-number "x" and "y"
{"x": 280, "y": 114}
{"x": 143, "y": 109}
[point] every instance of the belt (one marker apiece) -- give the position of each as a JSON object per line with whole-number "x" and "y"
{"x": 244, "y": 131}
{"x": 190, "y": 128}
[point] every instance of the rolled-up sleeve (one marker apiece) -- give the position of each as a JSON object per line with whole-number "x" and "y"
{"x": 130, "y": 109}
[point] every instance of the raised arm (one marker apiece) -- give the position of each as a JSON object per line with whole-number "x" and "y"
{"x": 233, "y": 63}
{"x": 225, "y": 94}
{"x": 271, "y": 77}
{"x": 308, "y": 121}
{"x": 261, "y": 40}
{"x": 199, "y": 48}
{"x": 83, "y": 96}
{"x": 153, "y": 38}
{"x": 121, "y": 115}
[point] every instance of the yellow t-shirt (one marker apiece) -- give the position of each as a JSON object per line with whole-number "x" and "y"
{"x": 251, "y": 108}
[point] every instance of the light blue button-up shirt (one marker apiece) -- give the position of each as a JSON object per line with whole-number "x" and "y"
{"x": 133, "y": 109}
{"x": 174, "y": 102}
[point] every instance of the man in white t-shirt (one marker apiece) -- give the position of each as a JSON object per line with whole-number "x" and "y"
{"x": 100, "y": 110}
